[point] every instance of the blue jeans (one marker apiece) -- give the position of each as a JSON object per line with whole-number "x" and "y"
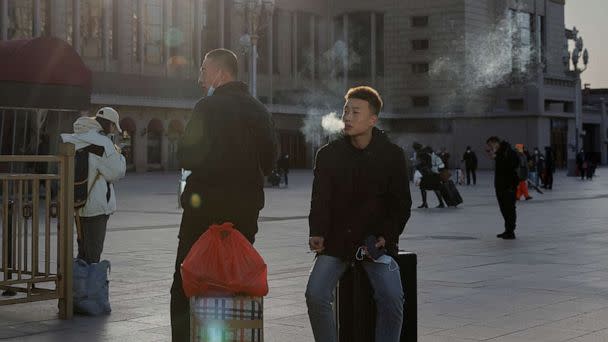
{"x": 533, "y": 176}
{"x": 388, "y": 294}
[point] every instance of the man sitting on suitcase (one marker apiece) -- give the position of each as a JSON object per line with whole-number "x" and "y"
{"x": 360, "y": 193}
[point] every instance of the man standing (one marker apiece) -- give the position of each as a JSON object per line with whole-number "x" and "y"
{"x": 505, "y": 182}
{"x": 283, "y": 165}
{"x": 470, "y": 164}
{"x": 549, "y": 168}
{"x": 360, "y": 192}
{"x": 229, "y": 145}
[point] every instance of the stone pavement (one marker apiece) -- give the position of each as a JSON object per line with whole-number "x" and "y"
{"x": 551, "y": 284}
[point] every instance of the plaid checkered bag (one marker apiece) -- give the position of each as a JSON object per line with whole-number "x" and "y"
{"x": 226, "y": 319}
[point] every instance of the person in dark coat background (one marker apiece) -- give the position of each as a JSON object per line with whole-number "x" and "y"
{"x": 549, "y": 168}
{"x": 506, "y": 180}
{"x": 229, "y": 145}
{"x": 360, "y": 191}
{"x": 283, "y": 165}
{"x": 470, "y": 163}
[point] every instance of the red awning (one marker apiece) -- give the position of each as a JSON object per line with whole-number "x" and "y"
{"x": 155, "y": 126}
{"x": 127, "y": 124}
{"x": 176, "y": 126}
{"x": 43, "y": 73}
{"x": 44, "y": 60}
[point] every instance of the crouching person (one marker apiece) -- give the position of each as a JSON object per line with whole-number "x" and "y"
{"x": 360, "y": 192}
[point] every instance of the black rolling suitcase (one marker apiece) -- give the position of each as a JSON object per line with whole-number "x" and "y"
{"x": 450, "y": 194}
{"x": 356, "y": 309}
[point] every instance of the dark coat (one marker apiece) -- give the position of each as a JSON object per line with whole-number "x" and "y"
{"x": 357, "y": 193}
{"x": 507, "y": 166}
{"x": 470, "y": 160}
{"x": 229, "y": 145}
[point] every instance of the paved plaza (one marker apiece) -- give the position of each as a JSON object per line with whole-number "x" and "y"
{"x": 551, "y": 284}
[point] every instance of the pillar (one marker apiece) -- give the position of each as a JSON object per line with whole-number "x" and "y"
{"x": 345, "y": 57}
{"x": 37, "y": 20}
{"x": 76, "y": 25}
{"x": 373, "y": 48}
{"x": 4, "y": 20}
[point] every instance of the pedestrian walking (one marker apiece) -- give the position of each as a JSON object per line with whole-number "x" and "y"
{"x": 360, "y": 194}
{"x": 549, "y": 168}
{"x": 470, "y": 162}
{"x": 535, "y": 169}
{"x": 106, "y": 165}
{"x": 505, "y": 182}
{"x": 229, "y": 145}
{"x": 523, "y": 173}
{"x": 283, "y": 165}
{"x": 581, "y": 164}
{"x": 429, "y": 165}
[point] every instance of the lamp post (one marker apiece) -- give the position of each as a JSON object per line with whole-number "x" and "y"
{"x": 573, "y": 59}
{"x": 254, "y": 12}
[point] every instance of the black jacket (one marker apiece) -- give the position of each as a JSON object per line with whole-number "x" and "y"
{"x": 357, "y": 193}
{"x": 470, "y": 160}
{"x": 507, "y": 166}
{"x": 229, "y": 145}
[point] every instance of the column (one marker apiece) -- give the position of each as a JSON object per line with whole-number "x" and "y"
{"x": 198, "y": 35}
{"x": 373, "y": 47}
{"x": 222, "y": 28}
{"x": 124, "y": 45}
{"x": 37, "y": 20}
{"x": 270, "y": 54}
{"x": 76, "y": 25}
{"x": 345, "y": 57}
{"x": 4, "y": 20}
{"x": 604, "y": 133}
{"x": 313, "y": 39}
{"x": 140, "y": 34}
{"x": 164, "y": 147}
{"x": 167, "y": 22}
{"x": 105, "y": 43}
{"x": 294, "y": 48}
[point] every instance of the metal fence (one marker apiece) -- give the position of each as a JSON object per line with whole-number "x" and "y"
{"x": 37, "y": 231}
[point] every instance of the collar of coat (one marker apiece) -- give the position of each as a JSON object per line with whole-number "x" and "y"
{"x": 379, "y": 138}
{"x": 232, "y": 87}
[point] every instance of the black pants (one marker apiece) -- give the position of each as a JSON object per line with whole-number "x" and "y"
{"x": 549, "y": 180}
{"x": 437, "y": 193}
{"x": 90, "y": 245}
{"x": 506, "y": 202}
{"x": 471, "y": 171}
{"x": 194, "y": 223}
{"x": 286, "y": 175}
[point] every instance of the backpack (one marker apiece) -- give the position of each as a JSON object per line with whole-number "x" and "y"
{"x": 81, "y": 174}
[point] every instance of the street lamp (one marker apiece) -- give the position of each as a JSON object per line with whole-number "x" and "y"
{"x": 575, "y": 57}
{"x": 254, "y": 13}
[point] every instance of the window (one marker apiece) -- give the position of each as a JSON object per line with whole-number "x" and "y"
{"x": 45, "y": 15}
{"x": 180, "y": 35}
{"x": 420, "y": 68}
{"x": 360, "y": 43}
{"x": 91, "y": 28}
{"x": 305, "y": 49}
{"x": 69, "y": 24}
{"x": 420, "y": 21}
{"x": 20, "y": 19}
{"x": 153, "y": 31}
{"x": 420, "y": 101}
{"x": 113, "y": 34}
{"x": 522, "y": 40}
{"x": 420, "y": 44}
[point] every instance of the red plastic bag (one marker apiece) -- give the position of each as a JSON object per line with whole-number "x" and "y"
{"x": 223, "y": 262}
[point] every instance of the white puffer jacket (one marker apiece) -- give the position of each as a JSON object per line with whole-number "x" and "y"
{"x": 110, "y": 167}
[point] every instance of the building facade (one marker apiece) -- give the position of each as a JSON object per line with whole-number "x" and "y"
{"x": 451, "y": 72}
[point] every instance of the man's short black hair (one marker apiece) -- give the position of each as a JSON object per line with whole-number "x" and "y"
{"x": 368, "y": 94}
{"x": 493, "y": 139}
{"x": 226, "y": 59}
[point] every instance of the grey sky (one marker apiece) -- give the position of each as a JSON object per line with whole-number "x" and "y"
{"x": 589, "y": 17}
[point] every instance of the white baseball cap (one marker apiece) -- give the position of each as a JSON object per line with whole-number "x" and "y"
{"x": 110, "y": 114}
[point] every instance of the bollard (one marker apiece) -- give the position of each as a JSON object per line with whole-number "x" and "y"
{"x": 9, "y": 292}
{"x": 356, "y": 310}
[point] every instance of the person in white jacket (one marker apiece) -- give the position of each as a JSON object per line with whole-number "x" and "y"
{"x": 106, "y": 166}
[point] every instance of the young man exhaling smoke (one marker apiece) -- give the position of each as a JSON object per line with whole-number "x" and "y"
{"x": 360, "y": 192}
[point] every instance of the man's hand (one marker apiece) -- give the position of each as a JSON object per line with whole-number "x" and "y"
{"x": 381, "y": 243}
{"x": 316, "y": 243}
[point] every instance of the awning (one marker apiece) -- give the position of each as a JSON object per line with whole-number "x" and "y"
{"x": 127, "y": 124}
{"x": 155, "y": 126}
{"x": 176, "y": 127}
{"x": 45, "y": 73}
